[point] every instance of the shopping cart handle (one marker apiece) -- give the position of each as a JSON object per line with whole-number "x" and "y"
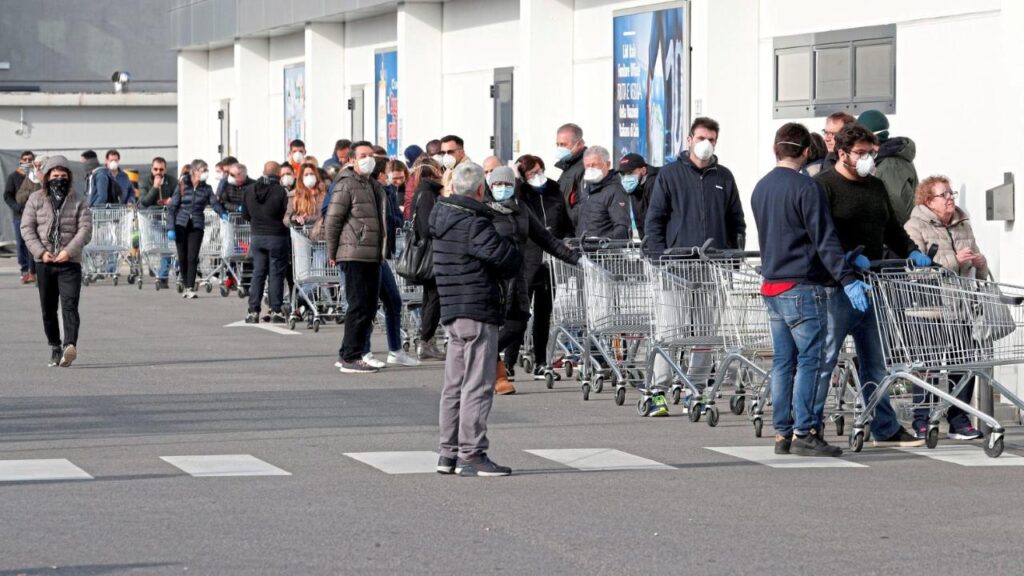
{"x": 1011, "y": 300}
{"x": 891, "y": 263}
{"x": 716, "y": 254}
{"x": 692, "y": 251}
{"x": 594, "y": 242}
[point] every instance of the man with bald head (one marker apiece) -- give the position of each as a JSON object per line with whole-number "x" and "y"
{"x": 264, "y": 206}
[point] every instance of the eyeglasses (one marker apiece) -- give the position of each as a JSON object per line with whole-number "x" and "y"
{"x": 864, "y": 153}
{"x": 159, "y": 170}
{"x": 449, "y": 152}
{"x": 828, "y": 134}
{"x": 947, "y": 195}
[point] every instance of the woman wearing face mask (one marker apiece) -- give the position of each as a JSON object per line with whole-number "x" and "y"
{"x": 304, "y": 205}
{"x": 428, "y": 189}
{"x": 185, "y": 211}
{"x": 517, "y": 222}
{"x": 56, "y": 226}
{"x": 936, "y": 220}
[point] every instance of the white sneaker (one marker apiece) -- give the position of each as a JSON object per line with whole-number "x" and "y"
{"x": 371, "y": 361}
{"x": 402, "y": 358}
{"x": 193, "y": 295}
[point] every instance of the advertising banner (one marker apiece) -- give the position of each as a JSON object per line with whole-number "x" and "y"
{"x": 294, "y": 103}
{"x": 651, "y": 80}
{"x": 386, "y": 103}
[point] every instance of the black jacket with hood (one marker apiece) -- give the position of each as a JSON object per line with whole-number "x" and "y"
{"x": 603, "y": 212}
{"x": 547, "y": 205}
{"x": 265, "y": 206}
{"x": 233, "y": 196}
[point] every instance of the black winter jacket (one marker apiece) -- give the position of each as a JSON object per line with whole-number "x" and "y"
{"x": 426, "y": 195}
{"x": 603, "y": 212}
{"x": 691, "y": 205}
{"x": 265, "y": 206}
{"x": 233, "y": 196}
{"x": 470, "y": 261}
{"x": 14, "y": 181}
{"x": 189, "y": 203}
{"x": 571, "y": 183}
{"x": 549, "y": 208}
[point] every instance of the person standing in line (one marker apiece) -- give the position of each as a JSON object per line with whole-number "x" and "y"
{"x": 264, "y": 207}
{"x": 185, "y": 213}
{"x": 11, "y": 186}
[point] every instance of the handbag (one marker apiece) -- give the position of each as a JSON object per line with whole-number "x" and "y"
{"x": 993, "y": 318}
{"x": 416, "y": 263}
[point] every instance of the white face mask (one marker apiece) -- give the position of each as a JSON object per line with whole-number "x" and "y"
{"x": 537, "y": 180}
{"x": 366, "y": 165}
{"x": 437, "y": 158}
{"x": 112, "y": 164}
{"x": 203, "y": 176}
{"x": 297, "y": 156}
{"x": 309, "y": 180}
{"x": 232, "y": 181}
{"x": 448, "y": 161}
{"x": 704, "y": 150}
{"x": 287, "y": 180}
{"x": 32, "y": 176}
{"x": 593, "y": 175}
{"x": 865, "y": 165}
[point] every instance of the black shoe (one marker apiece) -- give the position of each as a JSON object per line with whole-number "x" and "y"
{"x": 69, "y": 355}
{"x": 813, "y": 445}
{"x": 278, "y": 318}
{"x": 356, "y": 367}
{"x": 901, "y": 439}
{"x": 445, "y": 465}
{"x": 55, "y": 355}
{"x": 163, "y": 284}
{"x": 482, "y": 466}
{"x": 782, "y": 444}
{"x": 252, "y": 318}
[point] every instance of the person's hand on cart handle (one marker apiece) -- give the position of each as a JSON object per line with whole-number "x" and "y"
{"x": 857, "y": 292}
{"x": 858, "y": 260}
{"x": 965, "y": 255}
{"x": 171, "y": 235}
{"x": 920, "y": 260}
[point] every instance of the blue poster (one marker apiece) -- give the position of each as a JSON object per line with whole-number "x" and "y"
{"x": 294, "y": 103}
{"x": 386, "y": 103}
{"x": 650, "y": 96}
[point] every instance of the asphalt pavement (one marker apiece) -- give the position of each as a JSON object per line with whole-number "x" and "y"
{"x": 177, "y": 444}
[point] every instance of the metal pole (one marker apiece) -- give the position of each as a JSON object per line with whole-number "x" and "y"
{"x": 985, "y": 403}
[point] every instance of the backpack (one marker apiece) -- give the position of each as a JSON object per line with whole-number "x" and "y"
{"x": 112, "y": 195}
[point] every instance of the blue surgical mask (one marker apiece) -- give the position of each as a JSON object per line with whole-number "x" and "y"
{"x": 630, "y": 182}
{"x": 562, "y": 153}
{"x": 502, "y": 193}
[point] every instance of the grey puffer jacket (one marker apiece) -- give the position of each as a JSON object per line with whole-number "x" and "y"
{"x": 926, "y": 230}
{"x": 354, "y": 226}
{"x": 46, "y": 228}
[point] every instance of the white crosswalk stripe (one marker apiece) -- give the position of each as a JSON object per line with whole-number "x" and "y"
{"x": 599, "y": 459}
{"x": 224, "y": 465}
{"x": 40, "y": 470}
{"x": 970, "y": 456}
{"x": 422, "y": 462}
{"x": 766, "y": 455}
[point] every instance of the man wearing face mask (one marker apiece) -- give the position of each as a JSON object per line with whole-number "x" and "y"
{"x": 111, "y": 184}
{"x": 638, "y": 181}
{"x": 864, "y": 218}
{"x": 17, "y": 206}
{"x": 515, "y": 221}
{"x": 287, "y": 178}
{"x": 452, "y": 154}
{"x": 342, "y": 149}
{"x": 356, "y": 235}
{"x": 603, "y": 210}
{"x": 296, "y": 154}
{"x": 264, "y": 207}
{"x": 695, "y": 198}
{"x": 569, "y": 149}
{"x": 434, "y": 150}
{"x": 156, "y": 189}
{"x": 237, "y": 183}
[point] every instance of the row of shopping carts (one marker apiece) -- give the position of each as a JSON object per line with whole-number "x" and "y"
{"x": 692, "y": 325}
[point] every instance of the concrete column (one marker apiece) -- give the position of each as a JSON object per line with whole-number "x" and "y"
{"x": 195, "y": 127}
{"x": 543, "y": 84}
{"x": 420, "y": 83}
{"x": 250, "y": 109}
{"x": 327, "y": 118}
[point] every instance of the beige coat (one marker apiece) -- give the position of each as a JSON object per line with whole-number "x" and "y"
{"x": 925, "y": 229}
{"x": 75, "y": 225}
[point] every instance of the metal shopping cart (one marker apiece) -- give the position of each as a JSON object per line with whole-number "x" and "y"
{"x": 317, "y": 291}
{"x": 568, "y": 319}
{"x": 111, "y": 238}
{"x": 155, "y": 249}
{"x": 619, "y": 307}
{"x": 224, "y": 249}
{"x": 932, "y": 320}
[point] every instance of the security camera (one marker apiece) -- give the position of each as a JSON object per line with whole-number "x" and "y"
{"x": 120, "y": 80}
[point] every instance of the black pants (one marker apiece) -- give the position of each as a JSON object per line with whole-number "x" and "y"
{"x": 269, "y": 254}
{"x": 188, "y": 239}
{"x": 59, "y": 284}
{"x": 540, "y": 294}
{"x": 430, "y": 313}
{"x": 362, "y": 285}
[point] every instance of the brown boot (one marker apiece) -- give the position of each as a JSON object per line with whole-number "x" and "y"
{"x": 503, "y": 386}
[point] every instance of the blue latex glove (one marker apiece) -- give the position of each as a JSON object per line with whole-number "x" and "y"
{"x": 171, "y": 235}
{"x": 857, "y": 292}
{"x": 239, "y": 209}
{"x": 861, "y": 262}
{"x": 225, "y": 217}
{"x": 920, "y": 260}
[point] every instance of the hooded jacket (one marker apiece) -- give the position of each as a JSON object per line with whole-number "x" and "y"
{"x": 355, "y": 228}
{"x": 470, "y": 261}
{"x": 926, "y": 230}
{"x": 265, "y": 206}
{"x": 603, "y": 209}
{"x": 570, "y": 182}
{"x": 14, "y": 181}
{"x": 690, "y": 205}
{"x": 190, "y": 203}
{"x": 71, "y": 224}
{"x": 895, "y": 167}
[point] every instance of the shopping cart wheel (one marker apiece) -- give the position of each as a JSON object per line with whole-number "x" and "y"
{"x": 316, "y": 325}
{"x": 209, "y": 287}
{"x": 224, "y": 291}
{"x": 993, "y": 448}
{"x": 86, "y": 280}
{"x": 242, "y": 292}
{"x": 131, "y": 278}
{"x": 139, "y": 283}
{"x": 180, "y": 287}
{"x": 643, "y": 406}
{"x": 568, "y": 374}
{"x": 857, "y": 441}
{"x": 712, "y": 416}
{"x": 405, "y": 346}
{"x": 695, "y": 409}
{"x": 586, "y": 390}
{"x": 527, "y": 364}
{"x": 758, "y": 426}
{"x": 549, "y": 380}
{"x": 620, "y": 395}
{"x": 599, "y": 385}
{"x": 840, "y": 425}
{"x": 675, "y": 394}
{"x": 115, "y": 280}
{"x": 932, "y": 439}
{"x": 737, "y": 404}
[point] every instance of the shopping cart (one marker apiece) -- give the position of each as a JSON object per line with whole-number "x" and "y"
{"x": 155, "y": 248}
{"x": 568, "y": 319}
{"x": 619, "y": 309}
{"x": 317, "y": 289}
{"x": 111, "y": 239}
{"x": 931, "y": 320}
{"x": 224, "y": 250}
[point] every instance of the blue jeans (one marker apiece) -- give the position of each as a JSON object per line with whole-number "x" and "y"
{"x": 391, "y": 301}
{"x": 24, "y": 256}
{"x": 165, "y": 267}
{"x": 844, "y": 321}
{"x": 799, "y": 324}
{"x": 269, "y": 255}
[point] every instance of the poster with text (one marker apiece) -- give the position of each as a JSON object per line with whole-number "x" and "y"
{"x": 651, "y": 93}
{"x": 294, "y": 103}
{"x": 386, "y": 100}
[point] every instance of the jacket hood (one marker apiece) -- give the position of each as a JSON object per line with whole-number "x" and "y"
{"x": 450, "y": 211}
{"x": 925, "y": 214}
{"x": 263, "y": 188}
{"x": 571, "y": 160}
{"x": 898, "y": 148}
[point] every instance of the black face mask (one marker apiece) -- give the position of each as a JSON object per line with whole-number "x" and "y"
{"x": 58, "y": 188}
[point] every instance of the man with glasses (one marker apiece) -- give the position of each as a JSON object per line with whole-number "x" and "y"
{"x": 863, "y": 217}
{"x": 17, "y": 206}
{"x": 452, "y": 154}
{"x": 155, "y": 191}
{"x": 833, "y": 124}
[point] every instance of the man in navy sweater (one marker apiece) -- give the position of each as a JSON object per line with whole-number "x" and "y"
{"x": 802, "y": 263}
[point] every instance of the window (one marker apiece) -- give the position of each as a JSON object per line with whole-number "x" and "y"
{"x": 842, "y": 70}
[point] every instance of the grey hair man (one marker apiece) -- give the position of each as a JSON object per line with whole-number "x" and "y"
{"x": 471, "y": 261}
{"x": 604, "y": 206}
{"x": 569, "y": 149}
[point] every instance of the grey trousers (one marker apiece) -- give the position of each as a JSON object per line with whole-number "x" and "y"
{"x": 470, "y": 373}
